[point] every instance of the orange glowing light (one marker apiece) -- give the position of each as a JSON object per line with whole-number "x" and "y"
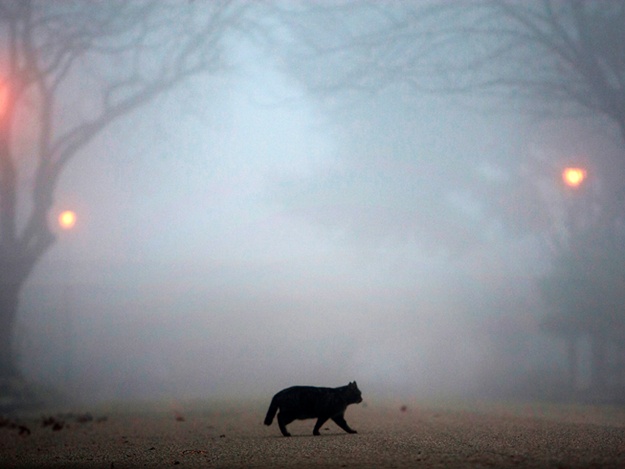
{"x": 67, "y": 219}
{"x": 573, "y": 177}
{"x": 4, "y": 97}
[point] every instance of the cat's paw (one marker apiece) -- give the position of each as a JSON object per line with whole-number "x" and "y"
{"x": 352, "y": 431}
{"x": 316, "y": 433}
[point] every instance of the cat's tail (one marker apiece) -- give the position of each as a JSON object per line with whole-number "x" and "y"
{"x": 273, "y": 408}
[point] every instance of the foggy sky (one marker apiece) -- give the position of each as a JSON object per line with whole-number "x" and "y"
{"x": 240, "y": 236}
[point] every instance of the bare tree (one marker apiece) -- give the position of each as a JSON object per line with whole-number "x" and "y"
{"x": 564, "y": 55}
{"x": 124, "y": 53}
{"x": 554, "y": 58}
{"x": 551, "y": 58}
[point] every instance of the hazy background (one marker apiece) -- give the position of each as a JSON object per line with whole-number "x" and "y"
{"x": 242, "y": 235}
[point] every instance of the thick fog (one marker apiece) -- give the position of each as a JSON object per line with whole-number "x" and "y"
{"x": 242, "y": 234}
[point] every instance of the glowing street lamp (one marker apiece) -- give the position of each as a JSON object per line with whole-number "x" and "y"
{"x": 4, "y": 97}
{"x": 67, "y": 219}
{"x": 573, "y": 177}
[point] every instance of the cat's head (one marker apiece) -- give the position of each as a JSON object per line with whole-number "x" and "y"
{"x": 353, "y": 394}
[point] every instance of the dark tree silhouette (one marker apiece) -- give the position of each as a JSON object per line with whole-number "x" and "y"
{"x": 546, "y": 57}
{"x": 553, "y": 58}
{"x": 562, "y": 56}
{"x": 111, "y": 57}
{"x": 586, "y": 295}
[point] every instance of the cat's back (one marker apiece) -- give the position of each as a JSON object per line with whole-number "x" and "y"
{"x": 302, "y": 391}
{"x": 304, "y": 397}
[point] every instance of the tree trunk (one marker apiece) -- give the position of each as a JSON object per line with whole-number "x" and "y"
{"x": 15, "y": 268}
{"x": 9, "y": 294}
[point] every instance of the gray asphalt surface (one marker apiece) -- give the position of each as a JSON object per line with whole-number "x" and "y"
{"x": 232, "y": 435}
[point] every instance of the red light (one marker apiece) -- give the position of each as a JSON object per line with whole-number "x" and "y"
{"x": 4, "y": 97}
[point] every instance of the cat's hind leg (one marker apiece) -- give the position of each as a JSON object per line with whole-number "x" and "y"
{"x": 340, "y": 421}
{"x": 284, "y": 419}
{"x": 320, "y": 421}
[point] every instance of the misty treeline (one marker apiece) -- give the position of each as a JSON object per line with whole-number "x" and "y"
{"x": 557, "y": 59}
{"x": 68, "y": 70}
{"x": 550, "y": 59}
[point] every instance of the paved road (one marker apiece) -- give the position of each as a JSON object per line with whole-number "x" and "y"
{"x": 232, "y": 435}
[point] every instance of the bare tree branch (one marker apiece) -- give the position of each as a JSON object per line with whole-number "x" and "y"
{"x": 500, "y": 48}
{"x": 116, "y": 56}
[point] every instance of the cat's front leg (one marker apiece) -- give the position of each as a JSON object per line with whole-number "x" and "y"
{"x": 320, "y": 421}
{"x": 340, "y": 421}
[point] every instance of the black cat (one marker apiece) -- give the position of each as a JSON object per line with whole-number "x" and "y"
{"x": 309, "y": 402}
